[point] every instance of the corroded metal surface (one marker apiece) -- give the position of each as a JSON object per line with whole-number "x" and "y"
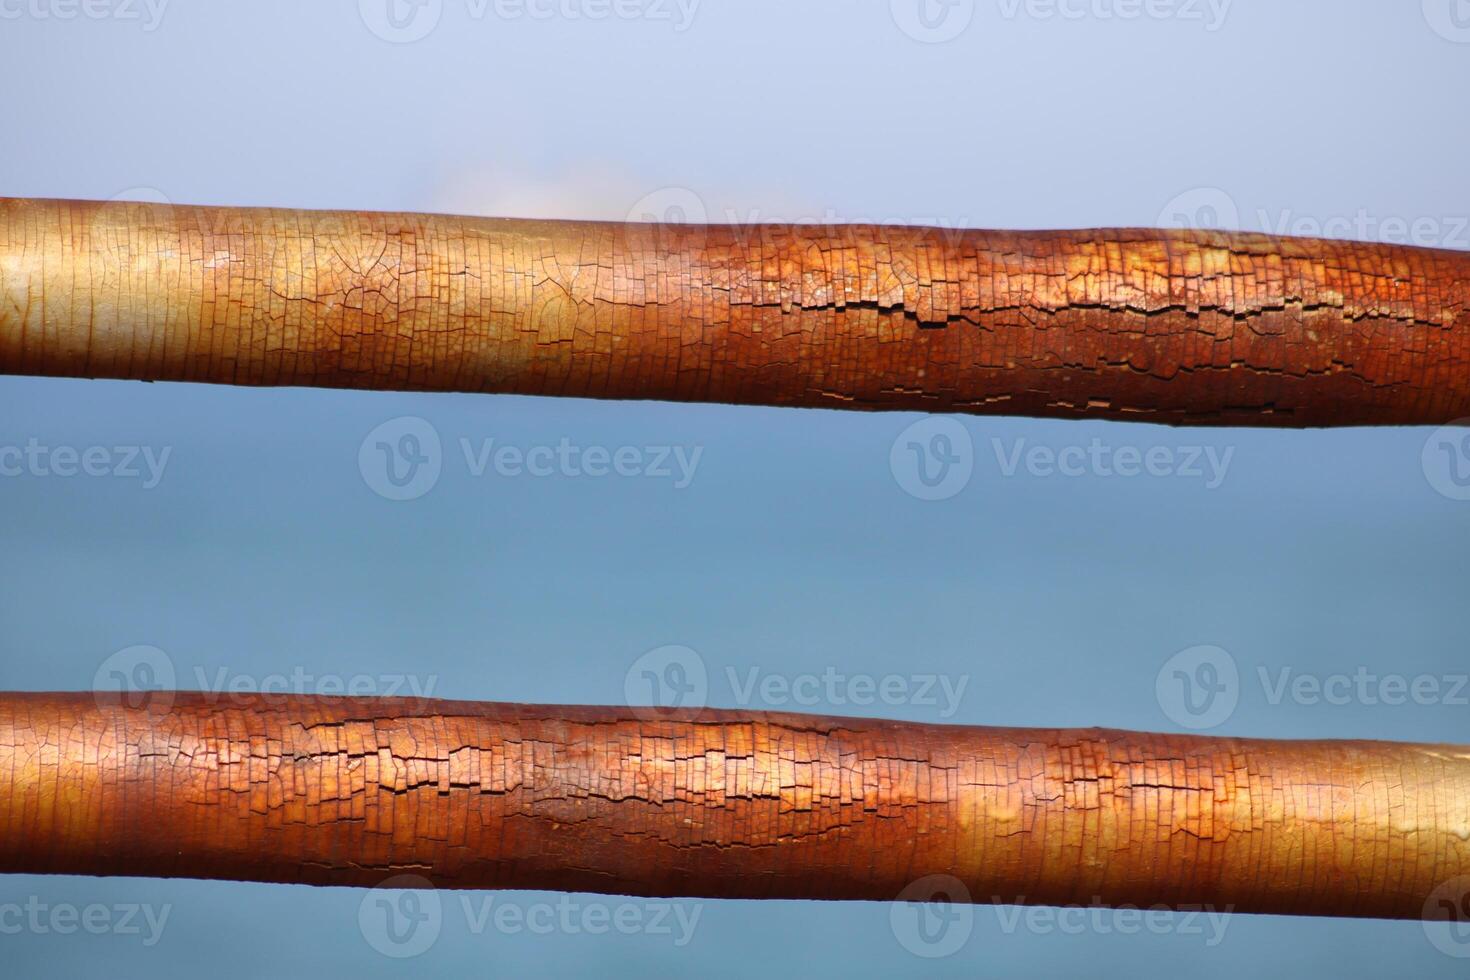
{"x": 724, "y": 804}
{"x": 1163, "y": 326}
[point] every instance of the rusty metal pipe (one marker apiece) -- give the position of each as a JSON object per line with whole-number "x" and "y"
{"x": 1163, "y": 326}
{"x": 351, "y": 791}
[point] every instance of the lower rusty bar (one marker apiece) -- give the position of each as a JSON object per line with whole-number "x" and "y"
{"x": 349, "y": 791}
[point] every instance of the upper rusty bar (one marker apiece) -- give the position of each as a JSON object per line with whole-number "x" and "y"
{"x": 1179, "y": 327}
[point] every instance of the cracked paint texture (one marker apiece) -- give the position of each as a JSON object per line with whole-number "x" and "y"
{"x": 325, "y": 790}
{"x": 1164, "y": 326}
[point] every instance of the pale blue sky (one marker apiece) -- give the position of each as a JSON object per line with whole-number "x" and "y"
{"x": 794, "y": 551}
